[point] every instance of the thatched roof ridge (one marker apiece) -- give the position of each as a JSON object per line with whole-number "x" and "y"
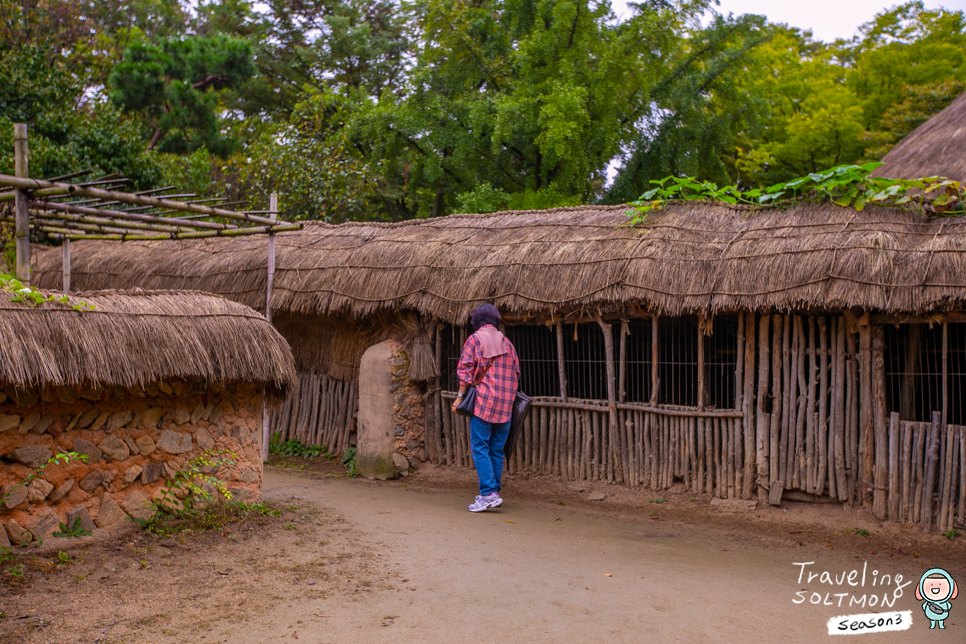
{"x": 133, "y": 338}
{"x": 693, "y": 256}
{"x": 933, "y": 149}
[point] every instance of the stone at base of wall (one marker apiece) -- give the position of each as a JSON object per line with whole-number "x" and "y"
{"x": 371, "y": 467}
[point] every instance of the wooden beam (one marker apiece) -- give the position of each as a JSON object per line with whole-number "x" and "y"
{"x": 21, "y": 199}
{"x": 701, "y": 383}
{"x": 561, "y": 371}
{"x": 622, "y": 367}
{"x": 617, "y": 448}
{"x": 128, "y": 216}
{"x": 65, "y": 249}
{"x": 266, "y": 430}
{"x": 124, "y": 197}
{"x": 655, "y": 380}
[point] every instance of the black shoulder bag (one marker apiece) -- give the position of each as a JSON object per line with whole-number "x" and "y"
{"x": 468, "y": 404}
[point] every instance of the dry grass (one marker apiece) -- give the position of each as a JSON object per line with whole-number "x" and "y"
{"x": 131, "y": 339}
{"x": 932, "y": 149}
{"x": 691, "y": 257}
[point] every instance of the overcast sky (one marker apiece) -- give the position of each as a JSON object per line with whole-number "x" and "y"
{"x": 828, "y": 19}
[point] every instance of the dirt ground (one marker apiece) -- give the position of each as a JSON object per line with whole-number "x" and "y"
{"x": 352, "y": 558}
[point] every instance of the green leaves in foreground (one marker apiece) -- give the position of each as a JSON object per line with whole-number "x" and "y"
{"x": 846, "y": 186}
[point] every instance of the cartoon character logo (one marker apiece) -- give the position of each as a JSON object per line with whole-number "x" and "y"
{"x": 935, "y": 590}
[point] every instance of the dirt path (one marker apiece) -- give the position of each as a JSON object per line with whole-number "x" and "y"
{"x": 541, "y": 574}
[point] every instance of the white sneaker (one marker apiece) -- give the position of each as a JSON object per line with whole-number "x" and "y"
{"x": 485, "y": 502}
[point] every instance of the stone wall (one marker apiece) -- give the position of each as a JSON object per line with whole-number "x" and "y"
{"x": 135, "y": 440}
{"x": 409, "y": 413}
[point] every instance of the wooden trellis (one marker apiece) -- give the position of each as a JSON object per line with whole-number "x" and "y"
{"x": 69, "y": 209}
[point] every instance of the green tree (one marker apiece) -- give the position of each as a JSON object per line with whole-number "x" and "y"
{"x": 174, "y": 87}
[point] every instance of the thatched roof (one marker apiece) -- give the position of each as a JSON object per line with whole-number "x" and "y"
{"x": 131, "y": 339}
{"x": 694, "y": 256}
{"x": 933, "y": 149}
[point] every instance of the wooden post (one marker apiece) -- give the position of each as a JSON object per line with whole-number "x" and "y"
{"x": 655, "y": 381}
{"x": 618, "y": 451}
{"x": 945, "y": 385}
{"x": 561, "y": 372}
{"x": 21, "y": 202}
{"x": 701, "y": 383}
{"x": 879, "y": 421}
{"x": 761, "y": 426}
{"x": 65, "y": 249}
{"x": 838, "y": 413}
{"x": 774, "y": 427}
{"x": 866, "y": 441}
{"x": 273, "y": 207}
{"x": 737, "y": 442}
{"x": 622, "y": 368}
{"x": 748, "y": 407}
{"x": 894, "y": 493}
{"x": 909, "y": 387}
{"x": 932, "y": 458}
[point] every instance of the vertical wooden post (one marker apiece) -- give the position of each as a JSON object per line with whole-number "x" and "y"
{"x": 622, "y": 367}
{"x": 945, "y": 363}
{"x": 838, "y": 413}
{"x": 932, "y": 458}
{"x": 65, "y": 249}
{"x": 738, "y": 440}
{"x": 21, "y": 198}
{"x": 748, "y": 407}
{"x": 273, "y": 215}
{"x": 879, "y": 421}
{"x": 701, "y": 383}
{"x": 618, "y": 449}
{"x": 655, "y": 381}
{"x": 866, "y": 424}
{"x": 774, "y": 426}
{"x": 894, "y": 493}
{"x": 561, "y": 372}
{"x": 761, "y": 426}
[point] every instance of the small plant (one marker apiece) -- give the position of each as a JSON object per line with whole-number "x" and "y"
{"x": 63, "y": 558}
{"x": 951, "y": 534}
{"x": 288, "y": 526}
{"x": 33, "y": 297}
{"x": 16, "y": 572}
{"x": 192, "y": 485}
{"x": 658, "y": 500}
{"x": 349, "y": 460}
{"x": 862, "y": 532}
{"x": 56, "y": 459}
{"x": 75, "y": 531}
{"x": 292, "y": 447}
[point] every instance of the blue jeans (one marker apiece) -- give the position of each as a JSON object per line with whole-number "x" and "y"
{"x": 488, "y": 441}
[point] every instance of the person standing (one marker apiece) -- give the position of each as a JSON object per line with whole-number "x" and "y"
{"x": 489, "y": 360}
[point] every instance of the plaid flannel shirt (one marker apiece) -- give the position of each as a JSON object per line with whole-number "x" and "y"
{"x": 494, "y": 395}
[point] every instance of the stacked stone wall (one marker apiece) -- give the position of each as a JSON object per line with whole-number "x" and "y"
{"x": 135, "y": 440}
{"x": 409, "y": 412}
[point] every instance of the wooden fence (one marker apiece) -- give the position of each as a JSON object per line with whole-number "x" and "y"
{"x": 321, "y": 412}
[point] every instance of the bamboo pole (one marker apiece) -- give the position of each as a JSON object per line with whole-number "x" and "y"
{"x": 73, "y": 212}
{"x": 21, "y": 199}
{"x": 622, "y": 367}
{"x": 761, "y": 429}
{"x": 932, "y": 458}
{"x": 919, "y": 469}
{"x": 128, "y": 198}
{"x": 702, "y": 460}
{"x": 749, "y": 407}
{"x": 235, "y": 232}
{"x": 799, "y": 463}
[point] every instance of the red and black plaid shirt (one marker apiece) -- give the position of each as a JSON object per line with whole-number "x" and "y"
{"x": 494, "y": 395}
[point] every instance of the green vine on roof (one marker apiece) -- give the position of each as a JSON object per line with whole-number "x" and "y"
{"x": 33, "y": 297}
{"x": 846, "y": 186}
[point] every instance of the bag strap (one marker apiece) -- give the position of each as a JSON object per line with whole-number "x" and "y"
{"x": 483, "y": 375}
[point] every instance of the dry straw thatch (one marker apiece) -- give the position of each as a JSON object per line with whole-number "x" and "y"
{"x": 132, "y": 339}
{"x": 692, "y": 256}
{"x": 933, "y": 149}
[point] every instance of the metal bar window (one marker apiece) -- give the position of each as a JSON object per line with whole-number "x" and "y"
{"x": 536, "y": 347}
{"x": 638, "y": 368}
{"x": 913, "y": 369}
{"x": 720, "y": 362}
{"x": 677, "y": 361}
